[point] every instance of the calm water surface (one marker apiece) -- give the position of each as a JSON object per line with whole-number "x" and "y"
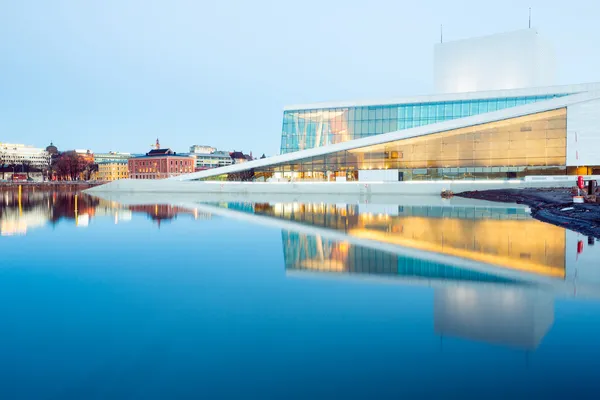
{"x": 231, "y": 299}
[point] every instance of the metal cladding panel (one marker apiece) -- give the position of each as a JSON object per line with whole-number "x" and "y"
{"x": 510, "y": 60}
{"x": 583, "y": 133}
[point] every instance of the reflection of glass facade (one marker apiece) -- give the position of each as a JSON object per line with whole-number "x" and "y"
{"x": 529, "y": 145}
{"x": 306, "y": 129}
{"x": 314, "y": 253}
{"x": 504, "y": 237}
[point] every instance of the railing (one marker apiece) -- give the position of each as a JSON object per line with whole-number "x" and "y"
{"x": 559, "y": 178}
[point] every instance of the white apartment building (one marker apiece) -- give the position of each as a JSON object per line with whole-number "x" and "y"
{"x": 20, "y": 153}
{"x": 201, "y": 149}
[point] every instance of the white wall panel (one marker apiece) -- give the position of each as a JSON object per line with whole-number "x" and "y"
{"x": 583, "y": 133}
{"x": 510, "y": 60}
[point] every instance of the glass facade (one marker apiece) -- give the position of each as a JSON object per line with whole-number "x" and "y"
{"x": 530, "y": 145}
{"x": 307, "y": 129}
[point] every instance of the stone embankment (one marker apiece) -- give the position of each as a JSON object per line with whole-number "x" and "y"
{"x": 554, "y": 206}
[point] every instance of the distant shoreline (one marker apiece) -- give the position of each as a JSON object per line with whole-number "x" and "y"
{"x": 60, "y": 186}
{"x": 548, "y": 205}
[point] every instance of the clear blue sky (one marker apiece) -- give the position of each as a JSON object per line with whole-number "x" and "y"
{"x": 116, "y": 74}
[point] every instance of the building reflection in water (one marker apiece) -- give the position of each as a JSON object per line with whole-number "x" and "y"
{"x": 514, "y": 316}
{"x": 20, "y": 212}
{"x": 469, "y": 304}
{"x": 507, "y": 237}
{"x": 161, "y": 213}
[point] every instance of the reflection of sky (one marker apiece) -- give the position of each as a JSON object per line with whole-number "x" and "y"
{"x": 204, "y": 309}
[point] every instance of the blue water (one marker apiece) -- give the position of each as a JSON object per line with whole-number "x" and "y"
{"x": 117, "y": 302}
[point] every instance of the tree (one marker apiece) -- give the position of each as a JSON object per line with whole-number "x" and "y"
{"x": 69, "y": 166}
{"x": 3, "y": 164}
{"x": 90, "y": 169}
{"x": 26, "y": 165}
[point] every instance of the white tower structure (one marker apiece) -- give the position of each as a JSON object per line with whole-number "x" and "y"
{"x": 513, "y": 60}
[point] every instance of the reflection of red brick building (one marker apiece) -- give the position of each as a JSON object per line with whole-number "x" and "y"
{"x": 160, "y": 164}
{"x": 163, "y": 212}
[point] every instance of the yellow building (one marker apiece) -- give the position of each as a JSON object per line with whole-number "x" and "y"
{"x": 112, "y": 171}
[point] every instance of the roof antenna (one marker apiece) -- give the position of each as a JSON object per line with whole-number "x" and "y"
{"x": 529, "y": 17}
{"x": 441, "y": 33}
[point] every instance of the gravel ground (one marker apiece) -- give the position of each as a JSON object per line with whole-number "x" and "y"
{"x": 548, "y": 205}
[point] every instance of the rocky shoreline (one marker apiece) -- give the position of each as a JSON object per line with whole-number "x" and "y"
{"x": 554, "y": 206}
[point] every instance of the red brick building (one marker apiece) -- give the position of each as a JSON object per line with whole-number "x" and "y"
{"x": 160, "y": 164}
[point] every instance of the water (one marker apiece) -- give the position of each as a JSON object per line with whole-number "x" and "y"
{"x": 209, "y": 298}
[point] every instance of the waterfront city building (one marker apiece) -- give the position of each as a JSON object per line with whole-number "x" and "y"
{"x": 213, "y": 160}
{"x": 19, "y": 154}
{"x": 200, "y": 149}
{"x": 112, "y": 170}
{"x": 85, "y": 155}
{"x": 498, "y": 123}
{"x": 111, "y": 156}
{"x": 160, "y": 164}
{"x": 209, "y": 157}
{"x": 52, "y": 149}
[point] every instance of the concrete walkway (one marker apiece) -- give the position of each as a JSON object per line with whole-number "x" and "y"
{"x": 304, "y": 188}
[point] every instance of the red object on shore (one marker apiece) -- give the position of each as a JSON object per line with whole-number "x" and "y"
{"x": 19, "y": 177}
{"x": 580, "y": 247}
{"x": 580, "y": 183}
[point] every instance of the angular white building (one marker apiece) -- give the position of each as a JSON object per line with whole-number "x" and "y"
{"x": 497, "y": 117}
{"x": 504, "y": 134}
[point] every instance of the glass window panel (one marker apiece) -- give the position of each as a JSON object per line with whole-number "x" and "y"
{"x": 386, "y": 126}
{"x": 465, "y": 109}
{"x": 416, "y": 112}
{"x": 557, "y": 123}
{"x": 372, "y": 113}
{"x": 448, "y": 110}
{"x": 371, "y": 127}
{"x": 357, "y": 128}
{"x": 456, "y": 109}
{"x": 351, "y": 113}
{"x": 386, "y": 113}
{"x": 365, "y": 127}
{"x": 554, "y": 143}
{"x": 358, "y": 114}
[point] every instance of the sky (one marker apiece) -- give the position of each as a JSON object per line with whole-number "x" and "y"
{"x": 114, "y": 75}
